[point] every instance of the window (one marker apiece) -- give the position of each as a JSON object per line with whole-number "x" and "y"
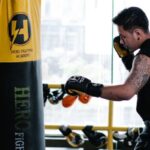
{"x": 77, "y": 40}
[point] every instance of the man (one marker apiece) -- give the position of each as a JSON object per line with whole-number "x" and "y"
{"x": 133, "y": 28}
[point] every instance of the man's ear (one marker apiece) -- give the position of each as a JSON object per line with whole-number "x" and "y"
{"x": 137, "y": 34}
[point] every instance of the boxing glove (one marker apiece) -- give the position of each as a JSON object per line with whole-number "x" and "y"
{"x": 123, "y": 53}
{"x": 132, "y": 134}
{"x": 68, "y": 100}
{"x": 73, "y": 139}
{"x": 56, "y": 96}
{"x": 77, "y": 85}
{"x": 84, "y": 98}
{"x": 46, "y": 93}
{"x": 97, "y": 139}
{"x": 120, "y": 49}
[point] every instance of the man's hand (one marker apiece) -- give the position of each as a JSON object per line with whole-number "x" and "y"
{"x": 76, "y": 85}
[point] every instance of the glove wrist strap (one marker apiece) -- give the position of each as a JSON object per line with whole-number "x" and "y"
{"x": 94, "y": 89}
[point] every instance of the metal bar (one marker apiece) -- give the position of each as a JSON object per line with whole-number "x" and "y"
{"x": 55, "y": 86}
{"x": 103, "y": 128}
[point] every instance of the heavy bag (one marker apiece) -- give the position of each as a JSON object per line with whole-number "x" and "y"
{"x": 21, "y": 97}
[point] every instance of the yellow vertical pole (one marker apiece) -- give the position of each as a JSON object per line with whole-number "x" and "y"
{"x": 110, "y": 113}
{"x": 110, "y": 126}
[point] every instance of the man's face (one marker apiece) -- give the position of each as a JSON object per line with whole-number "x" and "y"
{"x": 128, "y": 39}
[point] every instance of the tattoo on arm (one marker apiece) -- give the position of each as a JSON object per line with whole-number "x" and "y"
{"x": 140, "y": 72}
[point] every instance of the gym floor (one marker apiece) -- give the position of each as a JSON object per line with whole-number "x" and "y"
{"x": 52, "y": 148}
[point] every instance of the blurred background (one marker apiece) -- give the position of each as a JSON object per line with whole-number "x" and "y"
{"x": 76, "y": 39}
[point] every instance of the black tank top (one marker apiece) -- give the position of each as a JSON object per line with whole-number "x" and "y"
{"x": 143, "y": 101}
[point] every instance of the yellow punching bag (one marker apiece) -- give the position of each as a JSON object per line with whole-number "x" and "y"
{"x": 21, "y": 98}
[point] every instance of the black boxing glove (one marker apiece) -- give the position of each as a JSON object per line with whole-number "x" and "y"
{"x": 98, "y": 139}
{"x": 76, "y": 85}
{"x": 74, "y": 139}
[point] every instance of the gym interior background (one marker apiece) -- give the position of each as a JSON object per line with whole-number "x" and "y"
{"x": 76, "y": 39}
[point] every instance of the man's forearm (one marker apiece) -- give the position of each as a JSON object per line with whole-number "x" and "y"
{"x": 116, "y": 93}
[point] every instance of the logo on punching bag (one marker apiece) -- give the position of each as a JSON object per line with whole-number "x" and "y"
{"x": 19, "y": 29}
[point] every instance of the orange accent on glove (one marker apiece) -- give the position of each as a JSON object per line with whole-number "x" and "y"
{"x": 68, "y": 100}
{"x": 84, "y": 98}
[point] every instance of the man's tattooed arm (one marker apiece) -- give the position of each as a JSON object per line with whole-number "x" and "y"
{"x": 140, "y": 73}
{"x": 137, "y": 78}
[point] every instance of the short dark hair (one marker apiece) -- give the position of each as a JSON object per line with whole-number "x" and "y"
{"x": 131, "y": 18}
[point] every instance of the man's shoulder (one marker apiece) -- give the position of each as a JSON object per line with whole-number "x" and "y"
{"x": 145, "y": 48}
